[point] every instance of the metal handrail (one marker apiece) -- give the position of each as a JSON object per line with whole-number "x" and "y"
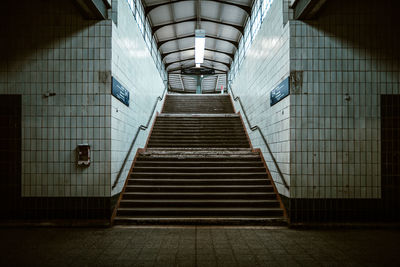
{"x": 254, "y": 128}
{"x": 140, "y": 128}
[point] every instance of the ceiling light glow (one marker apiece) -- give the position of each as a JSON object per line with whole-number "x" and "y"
{"x": 199, "y": 45}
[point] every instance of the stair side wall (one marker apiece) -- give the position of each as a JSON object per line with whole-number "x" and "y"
{"x": 266, "y": 64}
{"x": 133, "y": 66}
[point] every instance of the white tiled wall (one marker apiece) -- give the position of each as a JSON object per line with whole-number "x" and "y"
{"x": 265, "y": 66}
{"x": 326, "y": 134}
{"x": 133, "y": 66}
{"x": 48, "y": 48}
{"x": 348, "y": 58}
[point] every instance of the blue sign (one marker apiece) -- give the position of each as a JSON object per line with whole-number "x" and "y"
{"x": 120, "y": 92}
{"x": 280, "y": 92}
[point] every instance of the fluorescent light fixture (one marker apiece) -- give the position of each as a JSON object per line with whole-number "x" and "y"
{"x": 199, "y": 44}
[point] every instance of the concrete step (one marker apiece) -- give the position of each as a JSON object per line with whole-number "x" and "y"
{"x": 197, "y": 157}
{"x": 174, "y": 155}
{"x": 203, "y": 175}
{"x": 199, "y": 140}
{"x": 203, "y": 130}
{"x": 196, "y": 108}
{"x": 206, "y": 169}
{"x": 194, "y": 144}
{"x": 129, "y": 203}
{"x": 199, "y": 123}
{"x": 184, "y": 132}
{"x": 201, "y": 158}
{"x": 197, "y": 164}
{"x": 189, "y": 134}
{"x": 198, "y": 116}
{"x": 198, "y": 127}
{"x": 199, "y": 120}
{"x": 201, "y": 195}
{"x": 219, "y": 138}
{"x": 199, "y": 188}
{"x": 156, "y": 181}
{"x": 162, "y": 145}
{"x": 194, "y": 211}
{"x": 232, "y": 150}
{"x": 201, "y": 220}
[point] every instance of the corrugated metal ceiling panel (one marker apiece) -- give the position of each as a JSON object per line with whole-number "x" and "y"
{"x": 174, "y": 20}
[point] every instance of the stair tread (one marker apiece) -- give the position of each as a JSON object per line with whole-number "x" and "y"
{"x": 233, "y": 149}
{"x": 196, "y": 186}
{"x": 205, "y": 218}
{"x": 172, "y": 140}
{"x": 182, "y": 130}
{"x": 200, "y": 209}
{"x": 196, "y": 127}
{"x": 191, "y": 179}
{"x": 199, "y": 174}
{"x": 202, "y": 200}
{"x": 182, "y": 160}
{"x": 197, "y": 115}
{"x": 195, "y": 162}
{"x": 203, "y": 193}
{"x": 200, "y": 137}
{"x": 200, "y": 168}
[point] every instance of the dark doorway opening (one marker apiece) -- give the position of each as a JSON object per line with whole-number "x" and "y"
{"x": 390, "y": 159}
{"x": 10, "y": 154}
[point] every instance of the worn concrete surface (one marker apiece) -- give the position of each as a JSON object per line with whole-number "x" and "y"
{"x": 197, "y": 246}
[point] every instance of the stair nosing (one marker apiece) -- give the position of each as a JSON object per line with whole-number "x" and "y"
{"x": 202, "y": 162}
{"x": 195, "y": 180}
{"x": 200, "y": 168}
{"x": 250, "y": 218}
{"x": 201, "y": 200}
{"x": 200, "y": 193}
{"x": 199, "y": 174}
{"x": 201, "y": 186}
{"x": 200, "y": 209}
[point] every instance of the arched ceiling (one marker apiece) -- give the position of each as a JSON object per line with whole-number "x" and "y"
{"x": 174, "y": 22}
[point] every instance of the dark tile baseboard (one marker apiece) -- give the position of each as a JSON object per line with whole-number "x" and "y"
{"x": 340, "y": 210}
{"x": 64, "y": 208}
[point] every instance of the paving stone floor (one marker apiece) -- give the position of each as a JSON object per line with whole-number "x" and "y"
{"x": 197, "y": 246}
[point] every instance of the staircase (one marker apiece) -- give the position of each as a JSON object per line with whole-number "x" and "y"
{"x": 199, "y": 168}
